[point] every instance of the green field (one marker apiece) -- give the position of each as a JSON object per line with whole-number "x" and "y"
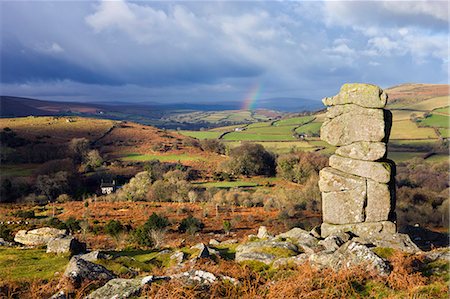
{"x": 279, "y": 147}
{"x": 406, "y": 129}
{"x": 404, "y": 156}
{"x": 201, "y": 134}
{"x": 259, "y": 124}
{"x": 310, "y": 129}
{"x": 272, "y": 130}
{"x": 443, "y": 110}
{"x": 436, "y": 120}
{"x": 238, "y": 136}
{"x": 293, "y": 121}
{"x": 28, "y": 264}
{"x": 445, "y": 132}
{"x": 162, "y": 158}
{"x": 235, "y": 184}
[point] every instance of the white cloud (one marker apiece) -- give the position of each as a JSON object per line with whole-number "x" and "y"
{"x": 49, "y": 48}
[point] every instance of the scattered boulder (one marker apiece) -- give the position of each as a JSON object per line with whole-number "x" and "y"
{"x": 79, "y": 271}
{"x": 333, "y": 242}
{"x": 349, "y": 255}
{"x": 302, "y": 238}
{"x": 66, "y": 244}
{"x": 117, "y": 288}
{"x": 177, "y": 257}
{"x": 39, "y": 236}
{"x": 195, "y": 277}
{"x": 214, "y": 242}
{"x": 93, "y": 256}
{"x": 263, "y": 233}
{"x": 230, "y": 241}
{"x": 396, "y": 241}
{"x": 5, "y": 243}
{"x": 265, "y": 251}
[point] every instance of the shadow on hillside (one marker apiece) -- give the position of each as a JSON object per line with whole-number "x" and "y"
{"x": 424, "y": 238}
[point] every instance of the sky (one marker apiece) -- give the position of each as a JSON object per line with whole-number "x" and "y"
{"x": 212, "y": 51}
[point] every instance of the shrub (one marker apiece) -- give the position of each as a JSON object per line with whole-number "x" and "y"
{"x": 190, "y": 225}
{"x": 227, "y": 226}
{"x": 27, "y": 214}
{"x": 300, "y": 166}
{"x": 151, "y": 233}
{"x": 73, "y": 225}
{"x": 114, "y": 228}
{"x": 251, "y": 159}
{"x": 5, "y": 233}
{"x": 56, "y": 223}
{"x": 213, "y": 145}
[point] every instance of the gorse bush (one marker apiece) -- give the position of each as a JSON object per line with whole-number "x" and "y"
{"x": 114, "y": 228}
{"x": 147, "y": 234}
{"x": 298, "y": 167}
{"x": 190, "y": 225}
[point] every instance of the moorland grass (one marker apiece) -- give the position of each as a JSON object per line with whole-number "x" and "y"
{"x": 310, "y": 128}
{"x": 28, "y": 264}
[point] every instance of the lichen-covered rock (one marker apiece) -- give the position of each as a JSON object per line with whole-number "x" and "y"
{"x": 377, "y": 171}
{"x": 379, "y": 203}
{"x": 364, "y": 95}
{"x": 79, "y": 271}
{"x": 94, "y": 256}
{"x": 363, "y": 150}
{"x": 118, "y": 288}
{"x": 177, "y": 257}
{"x": 39, "y": 236}
{"x": 332, "y": 180}
{"x": 344, "y": 206}
{"x": 265, "y": 251}
{"x": 333, "y": 242}
{"x": 67, "y": 244}
{"x": 263, "y": 233}
{"x": 350, "y": 123}
{"x": 302, "y": 238}
{"x": 395, "y": 241}
{"x": 351, "y": 254}
{"x": 364, "y": 229}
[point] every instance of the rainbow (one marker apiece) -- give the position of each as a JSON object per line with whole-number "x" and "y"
{"x": 251, "y": 97}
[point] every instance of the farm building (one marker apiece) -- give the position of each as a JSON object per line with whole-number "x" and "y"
{"x": 108, "y": 187}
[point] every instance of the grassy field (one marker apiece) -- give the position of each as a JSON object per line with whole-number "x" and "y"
{"x": 431, "y": 104}
{"x": 436, "y": 120}
{"x": 201, "y": 134}
{"x": 293, "y": 121}
{"x": 27, "y": 264}
{"x": 259, "y": 124}
{"x": 445, "y": 132}
{"x": 310, "y": 129}
{"x": 404, "y": 156}
{"x": 443, "y": 110}
{"x": 240, "y": 136}
{"x": 272, "y": 130}
{"x": 162, "y": 158}
{"x": 405, "y": 129}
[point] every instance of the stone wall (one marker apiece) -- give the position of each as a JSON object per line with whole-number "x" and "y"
{"x": 358, "y": 190}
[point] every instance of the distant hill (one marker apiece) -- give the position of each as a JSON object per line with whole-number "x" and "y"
{"x": 17, "y": 106}
{"x": 411, "y": 93}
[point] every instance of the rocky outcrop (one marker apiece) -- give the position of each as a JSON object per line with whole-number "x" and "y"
{"x": 265, "y": 251}
{"x": 66, "y": 244}
{"x": 357, "y": 188}
{"x": 79, "y": 271}
{"x": 39, "y": 236}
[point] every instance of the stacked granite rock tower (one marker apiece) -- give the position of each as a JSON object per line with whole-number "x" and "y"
{"x": 358, "y": 191}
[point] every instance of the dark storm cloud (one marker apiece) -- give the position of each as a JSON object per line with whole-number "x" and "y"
{"x": 187, "y": 51}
